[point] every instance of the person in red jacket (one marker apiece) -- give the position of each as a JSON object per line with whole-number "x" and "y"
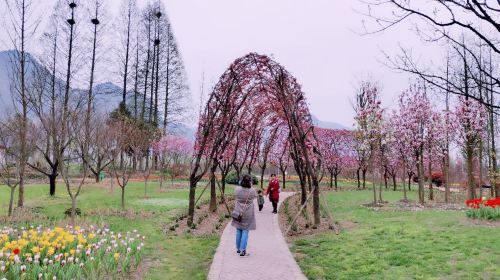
{"x": 273, "y": 190}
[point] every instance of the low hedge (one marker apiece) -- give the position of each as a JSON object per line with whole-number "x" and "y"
{"x": 232, "y": 179}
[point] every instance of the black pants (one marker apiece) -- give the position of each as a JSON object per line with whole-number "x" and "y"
{"x": 260, "y": 207}
{"x": 275, "y": 206}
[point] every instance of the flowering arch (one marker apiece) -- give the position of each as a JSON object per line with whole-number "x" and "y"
{"x": 255, "y": 93}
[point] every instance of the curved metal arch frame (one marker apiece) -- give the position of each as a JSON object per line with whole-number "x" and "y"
{"x": 256, "y": 78}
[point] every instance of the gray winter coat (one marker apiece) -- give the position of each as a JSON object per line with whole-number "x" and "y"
{"x": 243, "y": 195}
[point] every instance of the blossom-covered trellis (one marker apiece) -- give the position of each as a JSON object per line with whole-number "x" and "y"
{"x": 255, "y": 93}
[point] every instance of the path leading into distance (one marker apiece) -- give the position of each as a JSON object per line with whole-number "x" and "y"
{"x": 269, "y": 257}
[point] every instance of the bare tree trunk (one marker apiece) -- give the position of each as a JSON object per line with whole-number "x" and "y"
{"x": 431, "y": 189}
{"x": 11, "y": 200}
{"x": 146, "y": 74}
{"x": 374, "y": 188}
{"x": 303, "y": 194}
{"x": 238, "y": 172}
{"x": 446, "y": 159}
{"x": 134, "y": 163}
{"x": 471, "y": 194}
{"x": 223, "y": 183}
{"x": 157, "y": 79}
{"x": 335, "y": 177}
{"x": 446, "y": 178}
{"x": 262, "y": 171}
{"x": 405, "y": 196}
{"x": 409, "y": 181}
{"x": 394, "y": 182}
{"x": 358, "y": 177}
{"x": 127, "y": 50}
{"x": 316, "y": 206}
{"x": 213, "y": 191}
{"x": 136, "y": 78}
{"x": 73, "y": 210}
{"x": 495, "y": 188}
{"x": 153, "y": 72}
{"x": 123, "y": 197}
{"x": 162, "y": 180}
{"x": 283, "y": 174}
{"x": 380, "y": 200}
{"x": 420, "y": 171}
{"x": 364, "y": 178}
{"x": 385, "y": 178}
{"x": 192, "y": 194}
{"x": 52, "y": 183}
{"x": 24, "y": 104}
{"x": 480, "y": 162}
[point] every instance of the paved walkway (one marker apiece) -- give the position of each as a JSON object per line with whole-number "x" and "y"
{"x": 269, "y": 257}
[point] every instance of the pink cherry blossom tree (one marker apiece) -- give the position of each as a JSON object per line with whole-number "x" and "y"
{"x": 174, "y": 153}
{"x": 432, "y": 157}
{"x": 368, "y": 133}
{"x": 390, "y": 156}
{"x": 250, "y": 96}
{"x": 446, "y": 126}
{"x": 268, "y": 141}
{"x": 336, "y": 145}
{"x": 412, "y": 123}
{"x": 280, "y": 156}
{"x": 472, "y": 117}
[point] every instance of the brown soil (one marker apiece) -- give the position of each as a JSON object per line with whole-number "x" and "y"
{"x": 304, "y": 225}
{"x": 28, "y": 215}
{"x": 479, "y": 222}
{"x": 410, "y": 205}
{"x": 129, "y": 214}
{"x": 205, "y": 221}
{"x": 167, "y": 184}
{"x": 145, "y": 265}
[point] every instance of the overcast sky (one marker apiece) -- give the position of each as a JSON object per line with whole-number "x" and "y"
{"x": 317, "y": 41}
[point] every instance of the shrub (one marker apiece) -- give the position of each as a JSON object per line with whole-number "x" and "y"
{"x": 232, "y": 179}
{"x": 78, "y": 212}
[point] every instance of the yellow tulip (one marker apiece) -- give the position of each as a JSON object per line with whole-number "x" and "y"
{"x": 35, "y": 249}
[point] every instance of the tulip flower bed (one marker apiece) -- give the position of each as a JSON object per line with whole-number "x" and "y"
{"x": 480, "y": 208}
{"x": 67, "y": 253}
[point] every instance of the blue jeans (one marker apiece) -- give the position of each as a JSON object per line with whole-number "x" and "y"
{"x": 241, "y": 239}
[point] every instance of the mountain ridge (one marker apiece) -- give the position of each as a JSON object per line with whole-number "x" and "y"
{"x": 108, "y": 98}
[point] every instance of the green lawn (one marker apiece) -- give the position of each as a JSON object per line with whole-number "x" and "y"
{"x": 166, "y": 257}
{"x": 427, "y": 244}
{"x": 380, "y": 245}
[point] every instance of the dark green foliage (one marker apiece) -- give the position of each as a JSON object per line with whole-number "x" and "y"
{"x": 232, "y": 179}
{"x": 486, "y": 213}
{"x": 78, "y": 212}
{"x": 121, "y": 113}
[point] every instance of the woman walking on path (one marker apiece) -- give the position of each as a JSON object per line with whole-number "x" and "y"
{"x": 244, "y": 212}
{"x": 273, "y": 190}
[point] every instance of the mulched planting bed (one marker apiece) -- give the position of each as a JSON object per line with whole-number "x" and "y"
{"x": 205, "y": 222}
{"x": 304, "y": 225}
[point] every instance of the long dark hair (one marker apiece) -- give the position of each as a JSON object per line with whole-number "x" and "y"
{"x": 246, "y": 181}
